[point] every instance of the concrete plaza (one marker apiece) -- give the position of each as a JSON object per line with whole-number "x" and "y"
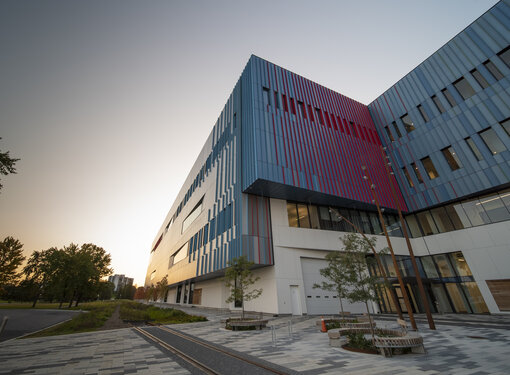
{"x": 461, "y": 345}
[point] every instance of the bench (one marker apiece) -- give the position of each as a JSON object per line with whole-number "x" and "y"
{"x": 403, "y": 339}
{"x": 400, "y": 338}
{"x": 410, "y": 340}
{"x": 337, "y": 336}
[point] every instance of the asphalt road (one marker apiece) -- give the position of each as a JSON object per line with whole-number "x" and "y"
{"x": 25, "y": 321}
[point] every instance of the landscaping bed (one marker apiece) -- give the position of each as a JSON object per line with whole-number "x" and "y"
{"x": 117, "y": 314}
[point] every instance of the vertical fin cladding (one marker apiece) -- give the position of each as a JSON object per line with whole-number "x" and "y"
{"x": 320, "y": 138}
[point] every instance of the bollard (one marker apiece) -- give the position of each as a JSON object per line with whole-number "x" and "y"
{"x": 289, "y": 324}
{"x": 4, "y": 322}
{"x": 273, "y": 336}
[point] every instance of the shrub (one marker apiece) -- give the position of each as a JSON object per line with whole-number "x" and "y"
{"x": 358, "y": 340}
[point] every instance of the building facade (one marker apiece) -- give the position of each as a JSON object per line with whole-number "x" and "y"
{"x": 286, "y": 160}
{"x": 120, "y": 281}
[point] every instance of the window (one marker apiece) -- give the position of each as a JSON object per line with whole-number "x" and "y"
{"x": 319, "y": 116}
{"x": 464, "y": 88}
{"x": 427, "y": 223}
{"x": 192, "y": 215}
{"x": 298, "y": 215}
{"x": 408, "y": 177}
{"x": 494, "y": 208}
{"x": 423, "y": 113}
{"x": 449, "y": 97}
{"x": 479, "y": 78}
{"x": 506, "y": 125}
{"x": 452, "y": 158}
{"x": 303, "y": 216}
{"x": 417, "y": 173}
{"x": 388, "y": 132}
{"x": 302, "y": 108}
{"x": 265, "y": 96}
{"x": 492, "y": 141}
{"x": 180, "y": 254}
{"x": 493, "y": 69}
{"x": 310, "y": 112}
{"x": 292, "y": 213}
{"x": 505, "y": 56}
{"x": 429, "y": 167}
{"x": 352, "y": 130}
{"x": 285, "y": 104}
{"x": 472, "y": 146}
{"x": 408, "y": 123}
{"x": 442, "y": 220}
{"x": 292, "y": 106}
{"x": 397, "y": 130}
{"x": 475, "y": 212}
{"x": 276, "y": 102}
{"x": 438, "y": 104}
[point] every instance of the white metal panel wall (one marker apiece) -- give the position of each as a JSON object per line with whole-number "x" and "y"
{"x": 319, "y": 301}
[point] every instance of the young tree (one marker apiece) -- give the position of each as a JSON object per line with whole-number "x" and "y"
{"x": 11, "y": 257}
{"x": 354, "y": 260}
{"x": 140, "y": 293}
{"x": 239, "y": 278}
{"x": 335, "y": 274}
{"x": 161, "y": 288}
{"x": 6, "y": 164}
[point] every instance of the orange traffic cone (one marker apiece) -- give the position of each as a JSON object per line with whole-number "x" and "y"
{"x": 323, "y": 325}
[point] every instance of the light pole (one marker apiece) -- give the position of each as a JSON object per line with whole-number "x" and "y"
{"x": 397, "y": 271}
{"x": 408, "y": 242}
{"x": 379, "y": 263}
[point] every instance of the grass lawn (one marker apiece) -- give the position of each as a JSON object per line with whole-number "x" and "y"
{"x": 97, "y": 313}
{"x": 28, "y": 305}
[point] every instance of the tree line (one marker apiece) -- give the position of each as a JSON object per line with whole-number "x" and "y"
{"x": 65, "y": 275}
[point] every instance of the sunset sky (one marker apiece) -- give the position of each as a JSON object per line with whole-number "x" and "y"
{"x": 108, "y": 103}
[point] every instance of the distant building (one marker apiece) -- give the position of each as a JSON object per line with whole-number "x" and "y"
{"x": 286, "y": 160}
{"x": 120, "y": 281}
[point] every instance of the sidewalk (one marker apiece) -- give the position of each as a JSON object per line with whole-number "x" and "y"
{"x": 450, "y": 349}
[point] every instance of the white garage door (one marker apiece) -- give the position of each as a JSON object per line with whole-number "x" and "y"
{"x": 319, "y": 301}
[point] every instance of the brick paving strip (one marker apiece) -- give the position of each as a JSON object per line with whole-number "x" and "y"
{"x": 450, "y": 350}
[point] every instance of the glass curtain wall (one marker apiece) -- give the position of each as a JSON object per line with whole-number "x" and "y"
{"x": 448, "y": 281}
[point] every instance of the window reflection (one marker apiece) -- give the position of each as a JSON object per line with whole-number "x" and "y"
{"x": 460, "y": 264}
{"x": 445, "y": 269}
{"x": 494, "y": 208}
{"x": 427, "y": 223}
{"x": 475, "y": 212}
{"x": 304, "y": 219}
{"x": 487, "y": 209}
{"x": 429, "y": 267}
{"x": 442, "y": 220}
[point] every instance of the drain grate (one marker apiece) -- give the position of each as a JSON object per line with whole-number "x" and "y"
{"x": 478, "y": 337}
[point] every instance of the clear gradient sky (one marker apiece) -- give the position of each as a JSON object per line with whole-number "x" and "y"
{"x": 108, "y": 103}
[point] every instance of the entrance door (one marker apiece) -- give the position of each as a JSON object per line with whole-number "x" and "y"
{"x": 295, "y": 300}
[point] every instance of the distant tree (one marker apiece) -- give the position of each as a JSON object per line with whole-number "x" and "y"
{"x": 335, "y": 274}
{"x": 6, "y": 164}
{"x": 140, "y": 293}
{"x": 126, "y": 291}
{"x": 69, "y": 274}
{"x": 105, "y": 290}
{"x": 239, "y": 279}
{"x": 11, "y": 257}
